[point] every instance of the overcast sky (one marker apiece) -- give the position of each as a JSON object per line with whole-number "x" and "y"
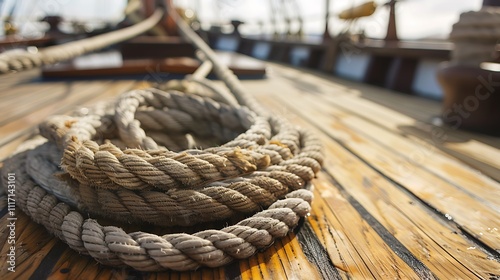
{"x": 415, "y": 18}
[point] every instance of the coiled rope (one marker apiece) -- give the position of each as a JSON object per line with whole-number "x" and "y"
{"x": 169, "y": 159}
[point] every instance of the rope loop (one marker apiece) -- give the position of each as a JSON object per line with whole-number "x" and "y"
{"x": 169, "y": 159}
{"x": 164, "y": 158}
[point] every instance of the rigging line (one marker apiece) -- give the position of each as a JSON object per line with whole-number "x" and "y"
{"x": 221, "y": 70}
{"x": 20, "y": 60}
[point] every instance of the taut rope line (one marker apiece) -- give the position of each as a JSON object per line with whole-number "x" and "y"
{"x": 20, "y": 60}
{"x": 169, "y": 159}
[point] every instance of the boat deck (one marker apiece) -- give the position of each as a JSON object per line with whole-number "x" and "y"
{"x": 398, "y": 198}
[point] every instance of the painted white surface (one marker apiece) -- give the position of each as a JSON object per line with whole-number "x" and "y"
{"x": 227, "y": 43}
{"x": 299, "y": 55}
{"x": 425, "y": 82}
{"x": 352, "y": 66}
{"x": 261, "y": 50}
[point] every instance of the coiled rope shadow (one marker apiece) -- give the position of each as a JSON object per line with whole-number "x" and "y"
{"x": 169, "y": 159}
{"x": 269, "y": 160}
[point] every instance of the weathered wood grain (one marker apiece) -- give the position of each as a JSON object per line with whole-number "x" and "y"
{"x": 18, "y": 130}
{"x": 379, "y": 210}
{"x": 425, "y": 235}
{"x": 344, "y": 232}
{"x": 391, "y": 162}
{"x": 21, "y": 104}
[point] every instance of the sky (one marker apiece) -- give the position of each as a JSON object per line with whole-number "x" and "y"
{"x": 416, "y": 19}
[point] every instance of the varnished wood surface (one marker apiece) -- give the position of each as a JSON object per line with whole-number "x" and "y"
{"x": 243, "y": 66}
{"x": 393, "y": 201}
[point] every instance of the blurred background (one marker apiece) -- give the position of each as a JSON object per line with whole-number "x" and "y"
{"x": 417, "y": 19}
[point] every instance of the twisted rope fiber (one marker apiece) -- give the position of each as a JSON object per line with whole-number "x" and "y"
{"x": 200, "y": 185}
{"x": 148, "y": 252}
{"x": 269, "y": 160}
{"x": 20, "y": 60}
{"x": 119, "y": 162}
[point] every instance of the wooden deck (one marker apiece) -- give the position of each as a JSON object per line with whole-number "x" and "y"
{"x": 398, "y": 198}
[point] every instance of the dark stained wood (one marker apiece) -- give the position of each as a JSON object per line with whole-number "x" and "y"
{"x": 491, "y": 3}
{"x": 143, "y": 47}
{"x": 378, "y": 70}
{"x": 392, "y": 33}
{"x": 413, "y": 49}
{"x": 395, "y": 200}
{"x": 239, "y": 64}
{"x": 280, "y": 53}
{"x": 404, "y": 73}
{"x": 246, "y": 46}
{"x": 13, "y": 41}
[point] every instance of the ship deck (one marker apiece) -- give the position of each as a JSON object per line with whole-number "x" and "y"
{"x": 397, "y": 198}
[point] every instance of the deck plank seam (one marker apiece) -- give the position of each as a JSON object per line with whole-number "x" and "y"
{"x": 442, "y": 216}
{"x": 315, "y": 252}
{"x": 410, "y": 139}
{"x": 398, "y": 248}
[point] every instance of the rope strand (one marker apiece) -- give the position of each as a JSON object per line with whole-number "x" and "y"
{"x": 20, "y": 60}
{"x": 144, "y": 160}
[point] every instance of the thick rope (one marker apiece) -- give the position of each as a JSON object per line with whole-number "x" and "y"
{"x": 265, "y": 166}
{"x": 222, "y": 71}
{"x": 151, "y": 185}
{"x": 169, "y": 159}
{"x": 20, "y": 60}
{"x": 148, "y": 252}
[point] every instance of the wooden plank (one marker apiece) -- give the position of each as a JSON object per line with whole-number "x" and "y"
{"x": 28, "y": 99}
{"x": 416, "y": 153}
{"x": 435, "y": 242}
{"x": 441, "y": 195}
{"x": 479, "y": 151}
{"x": 29, "y": 254}
{"x": 10, "y": 41}
{"x": 337, "y": 224}
{"x": 368, "y": 226}
{"x": 240, "y": 64}
{"x": 426, "y": 154}
{"x": 477, "y": 154}
{"x": 476, "y": 185}
{"x": 408, "y": 107}
{"x": 20, "y": 126}
{"x": 10, "y": 80}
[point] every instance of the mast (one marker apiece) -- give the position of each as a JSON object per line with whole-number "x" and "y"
{"x": 392, "y": 34}
{"x": 326, "y": 34}
{"x": 273, "y": 19}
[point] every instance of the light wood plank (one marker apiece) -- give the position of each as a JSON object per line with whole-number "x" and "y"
{"x": 436, "y": 244}
{"x": 337, "y": 224}
{"x": 30, "y": 119}
{"x": 401, "y": 118}
{"x": 416, "y": 153}
{"x": 29, "y": 122}
{"x": 28, "y": 98}
{"x": 433, "y": 190}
